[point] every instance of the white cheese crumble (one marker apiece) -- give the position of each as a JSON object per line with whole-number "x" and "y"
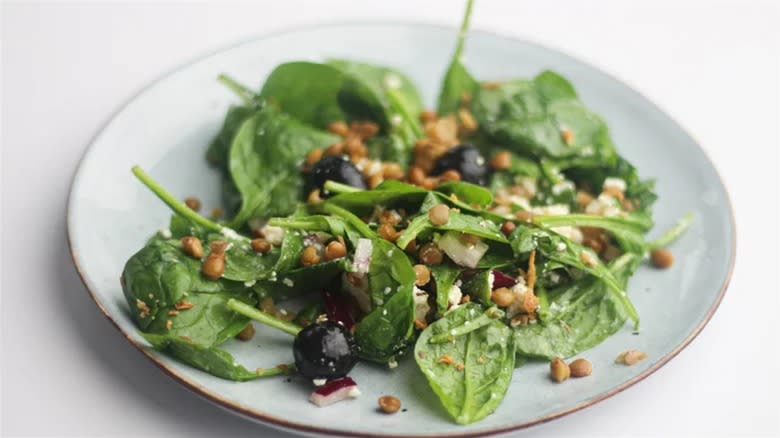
{"x": 454, "y": 297}
{"x": 392, "y": 82}
{"x": 165, "y": 233}
{"x": 288, "y": 282}
{"x": 392, "y": 363}
{"x": 274, "y": 235}
{"x": 421, "y": 307}
{"x": 560, "y": 246}
{"x": 319, "y": 382}
{"x": 396, "y": 120}
{"x": 572, "y": 233}
{"x": 363, "y": 251}
{"x": 614, "y": 183}
{"x": 551, "y": 210}
{"x": 562, "y": 186}
{"x": 249, "y": 283}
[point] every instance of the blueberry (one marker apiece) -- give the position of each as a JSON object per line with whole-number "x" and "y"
{"x": 334, "y": 168}
{"x": 465, "y": 159}
{"x": 325, "y": 350}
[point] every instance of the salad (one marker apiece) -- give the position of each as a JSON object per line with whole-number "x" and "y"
{"x": 499, "y": 229}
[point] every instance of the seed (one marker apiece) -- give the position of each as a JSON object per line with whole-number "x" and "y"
{"x": 567, "y": 136}
{"x": 594, "y": 244}
{"x": 392, "y": 171}
{"x": 260, "y": 245}
{"x": 216, "y": 213}
{"x": 439, "y": 214}
{"x": 529, "y": 302}
{"x": 314, "y": 197}
{"x": 430, "y": 254}
{"x": 662, "y": 258}
{"x": 450, "y": 175}
{"x": 428, "y": 116}
{"x": 214, "y": 265}
{"x": 525, "y": 216}
{"x": 420, "y": 324}
{"x": 580, "y": 368}
{"x": 416, "y": 175}
{"x": 218, "y": 246}
{"x": 335, "y": 250}
{"x": 501, "y": 161}
{"x": 267, "y": 305}
{"x": 192, "y": 246}
{"x": 338, "y": 128}
{"x": 388, "y": 232}
{"x": 631, "y": 357}
{"x": 469, "y": 239}
{"x": 465, "y": 299}
{"x": 375, "y": 180}
{"x": 247, "y": 333}
{"x": 389, "y": 217}
{"x": 460, "y": 367}
{"x": 446, "y": 359}
{"x": 615, "y": 193}
{"x": 354, "y": 147}
{"x": 193, "y": 203}
{"x": 559, "y": 371}
{"x": 310, "y": 256}
{"x": 429, "y": 183}
{"x": 503, "y": 297}
{"x": 335, "y": 149}
{"x": 467, "y": 121}
{"x": 364, "y": 130}
{"x": 389, "y": 404}
{"x": 507, "y": 227}
{"x": 422, "y": 275}
{"x": 583, "y": 198}
{"x": 313, "y": 156}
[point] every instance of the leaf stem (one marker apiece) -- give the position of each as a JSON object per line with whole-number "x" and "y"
{"x": 673, "y": 233}
{"x": 474, "y": 324}
{"x": 171, "y": 201}
{"x": 464, "y": 27}
{"x": 242, "y": 91}
{"x": 263, "y": 317}
{"x": 347, "y": 215}
{"x": 337, "y": 187}
{"x": 278, "y": 370}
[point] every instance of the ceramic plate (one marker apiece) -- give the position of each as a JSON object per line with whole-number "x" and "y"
{"x": 167, "y": 127}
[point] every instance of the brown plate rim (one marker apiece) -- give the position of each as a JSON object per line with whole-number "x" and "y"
{"x": 305, "y": 428}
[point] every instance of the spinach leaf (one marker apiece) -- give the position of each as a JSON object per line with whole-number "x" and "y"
{"x": 444, "y": 276}
{"x": 457, "y": 80}
{"x": 384, "y": 332}
{"x": 264, "y": 159}
{"x": 300, "y": 281}
{"x": 473, "y": 386}
{"x": 530, "y": 117}
{"x": 629, "y": 230}
{"x": 212, "y": 360}
{"x": 467, "y": 193}
{"x": 579, "y": 315}
{"x": 389, "y": 194}
{"x": 217, "y": 153}
{"x": 460, "y": 222}
{"x": 479, "y": 286}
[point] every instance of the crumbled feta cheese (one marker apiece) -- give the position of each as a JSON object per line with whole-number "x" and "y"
{"x": 604, "y": 205}
{"x": 562, "y": 186}
{"x": 560, "y": 246}
{"x": 392, "y": 363}
{"x": 551, "y": 210}
{"x": 165, "y": 233}
{"x": 249, "y": 283}
{"x": 363, "y": 251}
{"x": 520, "y": 288}
{"x": 572, "y": 233}
{"x": 525, "y": 186}
{"x": 392, "y": 81}
{"x": 421, "y": 307}
{"x": 395, "y": 120}
{"x": 288, "y": 282}
{"x": 454, "y": 296}
{"x": 319, "y": 382}
{"x": 615, "y": 183}
{"x": 520, "y": 201}
{"x": 274, "y": 235}
{"x": 374, "y": 168}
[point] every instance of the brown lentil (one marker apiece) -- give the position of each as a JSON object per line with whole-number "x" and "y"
{"x": 389, "y": 404}
{"x": 216, "y": 212}
{"x": 469, "y": 239}
{"x": 416, "y": 175}
{"x": 314, "y": 197}
{"x": 580, "y": 368}
{"x": 260, "y": 245}
{"x": 335, "y": 250}
{"x": 439, "y": 214}
{"x": 173, "y": 313}
{"x": 460, "y": 367}
{"x": 662, "y": 258}
{"x": 420, "y": 324}
{"x": 428, "y": 116}
{"x": 183, "y": 305}
{"x": 364, "y": 130}
{"x": 501, "y": 161}
{"x": 446, "y": 359}
{"x": 429, "y": 183}
{"x": 583, "y": 198}
{"x": 168, "y": 324}
{"x": 465, "y": 299}
{"x": 247, "y": 333}
{"x": 559, "y": 371}
{"x": 218, "y": 247}
{"x": 335, "y": 149}
{"x": 567, "y": 136}
{"x": 375, "y": 180}
{"x": 631, "y": 357}
{"x": 450, "y": 175}
{"x": 310, "y": 256}
{"x": 507, "y": 227}
{"x": 525, "y": 216}
{"x": 615, "y": 193}
{"x": 214, "y": 266}
{"x": 422, "y": 275}
{"x": 430, "y": 254}
{"x": 411, "y": 247}
{"x": 503, "y": 297}
{"x": 392, "y": 171}
{"x": 193, "y": 203}
{"x": 192, "y": 246}
{"x": 338, "y": 128}
{"x": 466, "y": 119}
{"x": 387, "y": 231}
{"x": 313, "y": 156}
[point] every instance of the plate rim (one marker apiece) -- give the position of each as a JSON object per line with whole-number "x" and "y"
{"x": 282, "y": 423}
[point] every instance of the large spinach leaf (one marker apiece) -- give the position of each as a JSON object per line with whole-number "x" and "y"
{"x": 579, "y": 315}
{"x": 264, "y": 163}
{"x": 457, "y": 81}
{"x": 471, "y": 373}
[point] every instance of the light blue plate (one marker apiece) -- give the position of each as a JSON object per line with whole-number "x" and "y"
{"x": 167, "y": 127}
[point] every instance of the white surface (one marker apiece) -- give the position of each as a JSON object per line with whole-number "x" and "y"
{"x": 66, "y": 68}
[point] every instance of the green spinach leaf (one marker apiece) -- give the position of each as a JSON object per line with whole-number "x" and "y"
{"x": 457, "y": 80}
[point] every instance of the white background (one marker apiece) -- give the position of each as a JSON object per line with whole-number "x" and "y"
{"x": 67, "y": 67}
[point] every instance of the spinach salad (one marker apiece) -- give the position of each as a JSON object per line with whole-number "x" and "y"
{"x": 501, "y": 228}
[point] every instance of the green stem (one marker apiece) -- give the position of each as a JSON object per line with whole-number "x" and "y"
{"x": 242, "y": 91}
{"x": 263, "y": 317}
{"x": 588, "y": 220}
{"x": 672, "y": 234}
{"x": 345, "y": 214}
{"x": 309, "y": 224}
{"x": 399, "y": 104}
{"x": 464, "y": 28}
{"x": 474, "y": 324}
{"x": 176, "y": 205}
{"x": 337, "y": 187}
{"x": 278, "y": 370}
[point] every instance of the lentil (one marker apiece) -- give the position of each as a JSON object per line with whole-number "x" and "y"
{"x": 192, "y": 247}
{"x": 559, "y": 371}
{"x": 313, "y": 156}
{"x": 247, "y": 333}
{"x": 580, "y": 368}
{"x": 193, "y": 203}
{"x": 501, "y": 161}
{"x": 260, "y": 245}
{"x": 214, "y": 266}
{"x": 507, "y": 227}
{"x": 422, "y": 275}
{"x": 339, "y": 128}
{"x": 662, "y": 258}
{"x": 388, "y": 232}
{"x": 430, "y": 254}
{"x": 389, "y": 404}
{"x": 335, "y": 250}
{"x": 439, "y": 214}
{"x": 310, "y": 256}
{"x": 503, "y": 297}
